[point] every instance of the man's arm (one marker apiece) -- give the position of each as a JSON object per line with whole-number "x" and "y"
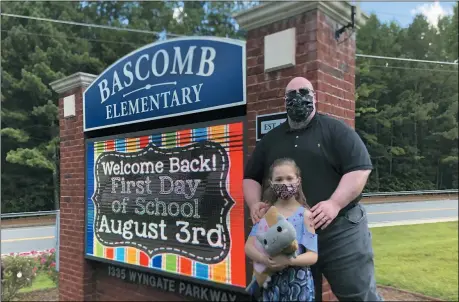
{"x": 355, "y": 164}
{"x": 253, "y": 180}
{"x": 254, "y": 174}
{"x": 350, "y": 186}
{"x": 252, "y": 191}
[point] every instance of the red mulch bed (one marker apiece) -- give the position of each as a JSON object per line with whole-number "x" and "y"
{"x": 393, "y": 294}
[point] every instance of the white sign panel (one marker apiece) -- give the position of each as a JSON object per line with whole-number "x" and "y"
{"x": 267, "y": 122}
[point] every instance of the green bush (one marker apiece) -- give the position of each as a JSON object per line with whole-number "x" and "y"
{"x": 19, "y": 272}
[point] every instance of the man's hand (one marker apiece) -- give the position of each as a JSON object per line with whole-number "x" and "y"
{"x": 324, "y": 213}
{"x": 258, "y": 210}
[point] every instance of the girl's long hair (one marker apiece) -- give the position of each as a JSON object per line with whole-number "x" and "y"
{"x": 269, "y": 196}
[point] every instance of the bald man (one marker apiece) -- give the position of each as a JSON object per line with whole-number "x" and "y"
{"x": 335, "y": 166}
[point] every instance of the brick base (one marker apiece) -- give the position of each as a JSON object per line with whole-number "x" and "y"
{"x": 113, "y": 289}
{"x": 107, "y": 288}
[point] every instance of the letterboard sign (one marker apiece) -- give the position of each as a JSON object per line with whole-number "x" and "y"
{"x": 267, "y": 122}
{"x": 170, "y": 201}
{"x": 166, "y": 79}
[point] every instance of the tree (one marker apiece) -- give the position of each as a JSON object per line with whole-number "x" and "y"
{"x": 35, "y": 53}
{"x": 407, "y": 111}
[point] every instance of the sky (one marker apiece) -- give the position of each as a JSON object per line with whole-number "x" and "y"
{"x": 404, "y": 12}
{"x": 401, "y": 12}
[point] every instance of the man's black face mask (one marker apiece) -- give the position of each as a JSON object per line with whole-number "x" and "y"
{"x": 299, "y": 104}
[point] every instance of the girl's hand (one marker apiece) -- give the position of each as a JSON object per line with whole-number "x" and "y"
{"x": 270, "y": 264}
{"x": 267, "y": 261}
{"x": 278, "y": 263}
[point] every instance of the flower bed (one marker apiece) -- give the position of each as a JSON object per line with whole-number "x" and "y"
{"x": 20, "y": 269}
{"x": 31, "y": 253}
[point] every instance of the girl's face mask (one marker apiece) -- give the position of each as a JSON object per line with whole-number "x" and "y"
{"x": 285, "y": 191}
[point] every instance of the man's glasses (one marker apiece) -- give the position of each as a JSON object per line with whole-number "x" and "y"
{"x": 302, "y": 91}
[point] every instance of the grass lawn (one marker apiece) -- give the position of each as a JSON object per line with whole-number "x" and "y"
{"x": 42, "y": 281}
{"x": 420, "y": 258}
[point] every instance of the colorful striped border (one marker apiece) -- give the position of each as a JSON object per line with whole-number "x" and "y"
{"x": 230, "y": 271}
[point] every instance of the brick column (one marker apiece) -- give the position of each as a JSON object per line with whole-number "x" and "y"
{"x": 76, "y": 274}
{"x": 289, "y": 39}
{"x": 327, "y": 63}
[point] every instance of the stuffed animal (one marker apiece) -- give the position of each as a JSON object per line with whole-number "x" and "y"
{"x": 279, "y": 238}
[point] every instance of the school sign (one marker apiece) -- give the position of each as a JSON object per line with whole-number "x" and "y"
{"x": 168, "y": 201}
{"x": 167, "y": 79}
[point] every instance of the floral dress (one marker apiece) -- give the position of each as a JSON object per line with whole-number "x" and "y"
{"x": 293, "y": 283}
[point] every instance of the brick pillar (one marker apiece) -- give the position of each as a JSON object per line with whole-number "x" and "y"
{"x": 327, "y": 63}
{"x": 288, "y": 39}
{"x": 76, "y": 274}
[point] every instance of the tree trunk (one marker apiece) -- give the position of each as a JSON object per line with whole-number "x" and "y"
{"x": 55, "y": 179}
{"x": 441, "y": 180}
{"x": 56, "y": 159}
{"x": 391, "y": 145}
{"x": 415, "y": 137}
{"x": 437, "y": 185}
{"x": 375, "y": 125}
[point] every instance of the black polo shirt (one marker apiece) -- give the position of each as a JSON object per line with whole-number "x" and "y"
{"x": 324, "y": 151}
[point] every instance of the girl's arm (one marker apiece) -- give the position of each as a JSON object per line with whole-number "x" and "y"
{"x": 307, "y": 259}
{"x": 310, "y": 257}
{"x": 252, "y": 252}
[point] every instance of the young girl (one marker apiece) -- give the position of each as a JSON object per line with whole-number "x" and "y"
{"x": 292, "y": 280}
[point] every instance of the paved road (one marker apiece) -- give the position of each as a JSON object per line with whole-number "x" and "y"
{"x": 41, "y": 238}
{"x": 407, "y": 211}
{"x": 27, "y": 239}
